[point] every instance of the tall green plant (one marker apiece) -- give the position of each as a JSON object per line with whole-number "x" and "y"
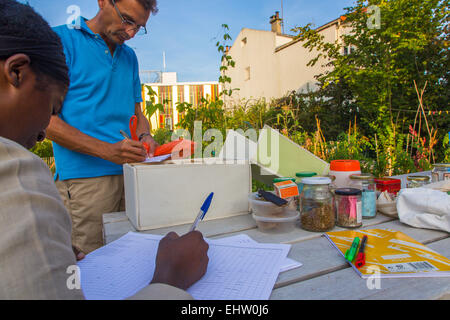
{"x": 410, "y": 44}
{"x": 151, "y": 106}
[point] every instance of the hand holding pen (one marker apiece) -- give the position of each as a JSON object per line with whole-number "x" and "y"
{"x": 202, "y": 211}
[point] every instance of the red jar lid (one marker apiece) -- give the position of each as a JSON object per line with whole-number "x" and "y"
{"x": 387, "y": 181}
{"x": 345, "y": 165}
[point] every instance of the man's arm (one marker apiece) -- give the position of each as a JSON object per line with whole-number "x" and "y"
{"x": 73, "y": 139}
{"x": 144, "y": 128}
{"x": 35, "y": 243}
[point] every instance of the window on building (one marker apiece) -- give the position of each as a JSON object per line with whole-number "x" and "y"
{"x": 243, "y": 42}
{"x": 349, "y": 50}
{"x": 195, "y": 95}
{"x": 247, "y": 74}
{"x": 165, "y": 97}
{"x": 181, "y": 98}
{"x": 214, "y": 92}
{"x": 180, "y": 90}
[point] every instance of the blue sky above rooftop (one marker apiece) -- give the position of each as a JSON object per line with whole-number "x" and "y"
{"x": 187, "y": 31}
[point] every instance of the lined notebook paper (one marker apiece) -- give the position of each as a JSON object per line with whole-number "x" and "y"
{"x": 236, "y": 271}
{"x": 288, "y": 264}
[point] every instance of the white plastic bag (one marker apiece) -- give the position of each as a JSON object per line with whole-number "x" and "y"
{"x": 424, "y": 208}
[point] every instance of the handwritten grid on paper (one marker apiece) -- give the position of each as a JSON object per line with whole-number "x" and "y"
{"x": 235, "y": 271}
{"x": 120, "y": 269}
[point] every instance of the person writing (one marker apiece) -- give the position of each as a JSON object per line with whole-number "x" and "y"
{"x": 104, "y": 93}
{"x": 35, "y": 228}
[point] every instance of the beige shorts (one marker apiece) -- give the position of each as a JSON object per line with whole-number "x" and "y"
{"x": 87, "y": 200}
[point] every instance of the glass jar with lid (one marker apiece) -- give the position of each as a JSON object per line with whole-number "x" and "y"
{"x": 366, "y": 183}
{"x": 300, "y": 176}
{"x": 298, "y": 181}
{"x": 417, "y": 181}
{"x": 441, "y": 172}
{"x": 317, "y": 210}
{"x": 348, "y": 207}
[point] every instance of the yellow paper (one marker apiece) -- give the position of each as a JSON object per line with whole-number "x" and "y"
{"x": 392, "y": 254}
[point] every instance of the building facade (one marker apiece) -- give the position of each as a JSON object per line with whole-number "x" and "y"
{"x": 169, "y": 92}
{"x": 269, "y": 64}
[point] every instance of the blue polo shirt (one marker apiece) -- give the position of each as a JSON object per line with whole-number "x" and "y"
{"x": 100, "y": 101}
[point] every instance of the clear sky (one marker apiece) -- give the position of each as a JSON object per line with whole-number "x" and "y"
{"x": 187, "y": 30}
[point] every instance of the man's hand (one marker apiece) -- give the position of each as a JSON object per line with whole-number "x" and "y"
{"x": 126, "y": 151}
{"x": 151, "y": 143}
{"x": 78, "y": 254}
{"x": 181, "y": 261}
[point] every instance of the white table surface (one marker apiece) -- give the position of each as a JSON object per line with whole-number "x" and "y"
{"x": 324, "y": 274}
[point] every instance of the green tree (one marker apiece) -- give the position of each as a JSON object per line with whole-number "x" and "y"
{"x": 410, "y": 44}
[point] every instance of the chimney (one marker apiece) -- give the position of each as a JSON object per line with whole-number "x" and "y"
{"x": 275, "y": 21}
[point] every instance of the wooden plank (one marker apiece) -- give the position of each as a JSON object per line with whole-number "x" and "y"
{"x": 298, "y": 234}
{"x": 346, "y": 284}
{"x": 117, "y": 224}
{"x": 114, "y": 217}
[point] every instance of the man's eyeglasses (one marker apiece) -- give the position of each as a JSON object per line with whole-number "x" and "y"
{"x": 130, "y": 25}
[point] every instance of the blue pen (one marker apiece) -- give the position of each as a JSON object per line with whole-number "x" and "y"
{"x": 202, "y": 212}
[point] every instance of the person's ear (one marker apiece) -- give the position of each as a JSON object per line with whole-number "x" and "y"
{"x": 17, "y": 69}
{"x": 101, "y": 4}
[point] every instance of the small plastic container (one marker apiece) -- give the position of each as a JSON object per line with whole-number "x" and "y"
{"x": 348, "y": 207}
{"x": 417, "y": 181}
{"x": 262, "y": 208}
{"x": 342, "y": 170}
{"x": 282, "y": 224}
{"x": 441, "y": 172}
{"x": 391, "y": 185}
{"x": 365, "y": 182}
{"x": 317, "y": 208}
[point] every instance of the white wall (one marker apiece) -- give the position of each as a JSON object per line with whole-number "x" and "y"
{"x": 278, "y": 64}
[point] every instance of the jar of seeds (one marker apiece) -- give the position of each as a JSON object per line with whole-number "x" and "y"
{"x": 317, "y": 210}
{"x": 348, "y": 207}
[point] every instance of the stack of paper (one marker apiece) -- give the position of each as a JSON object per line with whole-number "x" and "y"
{"x": 238, "y": 269}
{"x": 158, "y": 159}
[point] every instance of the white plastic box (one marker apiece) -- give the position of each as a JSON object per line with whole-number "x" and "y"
{"x": 163, "y": 195}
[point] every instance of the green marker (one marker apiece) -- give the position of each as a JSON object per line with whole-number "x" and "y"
{"x": 350, "y": 254}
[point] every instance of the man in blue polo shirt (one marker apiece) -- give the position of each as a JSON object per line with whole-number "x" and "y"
{"x": 104, "y": 93}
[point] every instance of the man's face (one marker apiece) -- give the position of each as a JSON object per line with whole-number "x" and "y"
{"x": 130, "y": 10}
{"x": 26, "y": 102}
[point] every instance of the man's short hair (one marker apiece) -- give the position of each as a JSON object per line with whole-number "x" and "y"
{"x": 151, "y": 5}
{"x": 22, "y": 30}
